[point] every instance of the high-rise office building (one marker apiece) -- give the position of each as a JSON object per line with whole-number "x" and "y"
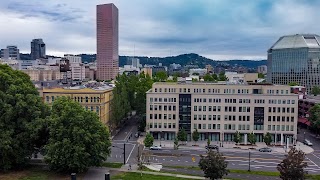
{"x": 107, "y": 42}
{"x": 11, "y": 52}
{"x": 38, "y": 49}
{"x": 295, "y": 58}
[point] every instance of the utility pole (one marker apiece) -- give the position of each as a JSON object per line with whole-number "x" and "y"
{"x": 249, "y": 161}
{"x": 124, "y": 153}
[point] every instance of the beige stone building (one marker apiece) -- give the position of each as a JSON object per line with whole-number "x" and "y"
{"x": 93, "y": 99}
{"x": 42, "y": 74}
{"x": 218, "y": 110}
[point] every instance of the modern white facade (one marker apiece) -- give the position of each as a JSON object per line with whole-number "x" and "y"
{"x": 218, "y": 110}
{"x": 73, "y": 59}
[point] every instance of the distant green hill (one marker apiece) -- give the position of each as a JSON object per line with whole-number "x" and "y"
{"x": 183, "y": 59}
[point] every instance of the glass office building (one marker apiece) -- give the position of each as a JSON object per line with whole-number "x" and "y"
{"x": 295, "y": 58}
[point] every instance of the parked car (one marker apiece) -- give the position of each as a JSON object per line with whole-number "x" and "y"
{"x": 265, "y": 149}
{"x": 307, "y": 142}
{"x": 212, "y": 147}
{"x": 155, "y": 148}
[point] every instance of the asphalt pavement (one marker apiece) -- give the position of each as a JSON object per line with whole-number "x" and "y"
{"x": 264, "y": 161}
{"x": 125, "y": 136}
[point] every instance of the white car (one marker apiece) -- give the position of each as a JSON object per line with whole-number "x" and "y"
{"x": 307, "y": 142}
{"x": 155, "y": 148}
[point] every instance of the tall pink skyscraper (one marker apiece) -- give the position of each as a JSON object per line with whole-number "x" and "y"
{"x": 107, "y": 42}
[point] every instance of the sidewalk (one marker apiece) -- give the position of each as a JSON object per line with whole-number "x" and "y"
{"x": 200, "y": 145}
{"x": 96, "y": 173}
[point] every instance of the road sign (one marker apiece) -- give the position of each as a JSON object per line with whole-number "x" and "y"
{"x": 193, "y": 159}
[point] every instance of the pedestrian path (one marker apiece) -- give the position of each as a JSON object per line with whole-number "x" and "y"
{"x": 200, "y": 145}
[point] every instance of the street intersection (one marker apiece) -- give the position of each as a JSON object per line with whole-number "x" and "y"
{"x": 236, "y": 158}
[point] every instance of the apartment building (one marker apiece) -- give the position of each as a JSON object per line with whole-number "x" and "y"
{"x": 96, "y": 99}
{"x": 218, "y": 110}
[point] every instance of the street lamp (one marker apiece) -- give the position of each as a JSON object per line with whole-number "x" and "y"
{"x": 124, "y": 152}
{"x": 249, "y": 160}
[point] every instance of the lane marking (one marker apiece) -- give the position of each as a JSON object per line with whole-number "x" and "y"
{"x": 130, "y": 153}
{"x": 128, "y": 134}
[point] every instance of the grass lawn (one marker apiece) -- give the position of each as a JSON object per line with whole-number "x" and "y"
{"x": 112, "y": 165}
{"x": 36, "y": 173}
{"x": 263, "y": 173}
{"x": 137, "y": 176}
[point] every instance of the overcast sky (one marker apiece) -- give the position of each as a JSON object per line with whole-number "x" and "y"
{"x": 217, "y": 29}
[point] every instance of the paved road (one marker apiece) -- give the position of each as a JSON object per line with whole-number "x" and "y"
{"x": 126, "y": 135}
{"x": 314, "y": 157}
{"x": 237, "y": 160}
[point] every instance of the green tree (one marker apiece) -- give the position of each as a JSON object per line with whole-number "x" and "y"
{"x": 237, "y": 137}
{"x": 215, "y": 77}
{"x": 260, "y": 75}
{"x": 161, "y": 76}
{"x": 213, "y": 165}
{"x": 222, "y": 76}
{"x": 293, "y": 84}
{"x": 176, "y": 143}
{"x": 148, "y": 141}
{"x": 252, "y": 138}
{"x": 208, "y": 77}
{"x": 72, "y": 132}
{"x": 292, "y": 167}
{"x": 195, "y": 135}
{"x": 315, "y": 90}
{"x": 267, "y": 138}
{"x": 120, "y": 103}
{"x": 142, "y": 86}
{"x": 314, "y": 117}
{"x": 22, "y": 119}
{"x": 142, "y": 123}
{"x": 182, "y": 135}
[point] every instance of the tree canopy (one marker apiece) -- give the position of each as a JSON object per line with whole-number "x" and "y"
{"x": 267, "y": 138}
{"x": 160, "y": 76}
{"x": 315, "y": 90}
{"x": 222, "y": 76}
{"x": 195, "y": 135}
{"x": 22, "y": 118}
{"x": 314, "y": 117}
{"x": 260, "y": 75}
{"x": 77, "y": 140}
{"x": 252, "y": 138}
{"x": 148, "y": 141}
{"x": 292, "y": 167}
{"x": 293, "y": 84}
{"x": 213, "y": 165}
{"x": 182, "y": 135}
{"x": 237, "y": 137}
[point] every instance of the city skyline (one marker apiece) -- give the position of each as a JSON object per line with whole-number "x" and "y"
{"x": 215, "y": 29}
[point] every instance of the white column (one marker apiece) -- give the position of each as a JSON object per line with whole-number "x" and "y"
{"x": 281, "y": 143}
{"x": 245, "y": 139}
{"x": 288, "y": 143}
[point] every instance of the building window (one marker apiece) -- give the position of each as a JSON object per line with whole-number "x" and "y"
{"x": 47, "y": 98}
{"x": 52, "y": 98}
{"x": 97, "y": 109}
{"x": 174, "y": 125}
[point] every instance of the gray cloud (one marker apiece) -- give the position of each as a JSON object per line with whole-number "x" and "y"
{"x": 219, "y": 29}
